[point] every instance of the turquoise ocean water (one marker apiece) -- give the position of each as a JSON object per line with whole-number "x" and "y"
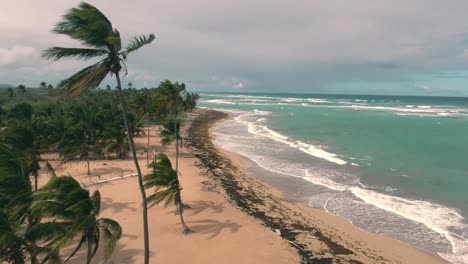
{"x": 392, "y": 165}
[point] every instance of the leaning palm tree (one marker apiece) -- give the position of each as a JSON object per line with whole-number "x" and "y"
{"x": 167, "y": 186}
{"x": 22, "y": 234}
{"x": 88, "y": 25}
{"x": 63, "y": 199}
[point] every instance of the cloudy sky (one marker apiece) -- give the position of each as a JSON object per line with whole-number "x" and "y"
{"x": 410, "y": 47}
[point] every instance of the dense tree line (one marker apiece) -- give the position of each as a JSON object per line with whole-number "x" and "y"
{"x": 86, "y": 127}
{"x": 80, "y": 121}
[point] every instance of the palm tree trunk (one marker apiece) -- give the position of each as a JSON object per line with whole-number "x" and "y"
{"x": 35, "y": 182}
{"x": 90, "y": 252}
{"x": 89, "y": 169}
{"x": 137, "y": 166}
{"x": 180, "y": 205}
{"x": 32, "y": 252}
{"x": 180, "y": 208}
{"x": 147, "y": 145}
{"x": 177, "y": 147}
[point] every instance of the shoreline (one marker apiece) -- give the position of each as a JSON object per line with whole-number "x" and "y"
{"x": 318, "y": 237}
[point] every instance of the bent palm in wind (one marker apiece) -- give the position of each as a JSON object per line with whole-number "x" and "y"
{"x": 22, "y": 234}
{"x": 166, "y": 183}
{"x": 92, "y": 28}
{"x": 64, "y": 199}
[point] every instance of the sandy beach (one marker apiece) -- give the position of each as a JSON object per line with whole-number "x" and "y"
{"x": 235, "y": 218}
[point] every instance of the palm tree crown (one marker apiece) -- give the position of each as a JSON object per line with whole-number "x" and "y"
{"x": 88, "y": 25}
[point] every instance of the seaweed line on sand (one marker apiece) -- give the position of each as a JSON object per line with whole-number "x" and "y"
{"x": 257, "y": 203}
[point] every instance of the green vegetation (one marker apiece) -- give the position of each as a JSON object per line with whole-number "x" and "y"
{"x": 80, "y": 122}
{"x": 167, "y": 186}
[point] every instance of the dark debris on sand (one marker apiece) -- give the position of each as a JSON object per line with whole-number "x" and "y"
{"x": 221, "y": 168}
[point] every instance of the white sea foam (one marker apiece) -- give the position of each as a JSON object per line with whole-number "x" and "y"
{"x": 264, "y": 131}
{"x": 220, "y": 101}
{"x": 316, "y": 100}
{"x": 437, "y": 217}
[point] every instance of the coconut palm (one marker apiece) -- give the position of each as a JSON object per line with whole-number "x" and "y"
{"x": 20, "y": 231}
{"x": 63, "y": 199}
{"x": 23, "y": 134}
{"x": 166, "y": 183}
{"x": 88, "y": 25}
{"x": 21, "y": 89}
{"x": 171, "y": 102}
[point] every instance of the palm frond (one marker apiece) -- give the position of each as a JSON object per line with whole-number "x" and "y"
{"x": 168, "y": 196}
{"x": 114, "y": 41}
{"x": 82, "y": 241}
{"x": 137, "y": 42}
{"x": 56, "y": 53}
{"x": 7, "y": 235}
{"x": 112, "y": 233}
{"x": 45, "y": 231}
{"x": 50, "y": 255}
{"x": 86, "y": 79}
{"x": 87, "y": 24}
{"x": 96, "y": 201}
{"x": 50, "y": 170}
{"x": 163, "y": 175}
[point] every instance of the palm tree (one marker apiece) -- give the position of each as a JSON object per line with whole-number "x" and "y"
{"x": 20, "y": 231}
{"x": 130, "y": 85}
{"x": 21, "y": 89}
{"x": 171, "y": 101}
{"x": 10, "y": 92}
{"x": 43, "y": 85}
{"x": 167, "y": 187}
{"x": 62, "y": 198}
{"x": 22, "y": 133}
{"x": 88, "y": 25}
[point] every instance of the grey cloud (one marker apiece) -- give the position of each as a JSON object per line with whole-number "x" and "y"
{"x": 308, "y": 46}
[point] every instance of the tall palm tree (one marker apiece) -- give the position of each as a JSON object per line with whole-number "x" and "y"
{"x": 88, "y": 25}
{"x": 23, "y": 134}
{"x": 171, "y": 102}
{"x": 167, "y": 187}
{"x": 170, "y": 99}
{"x": 63, "y": 199}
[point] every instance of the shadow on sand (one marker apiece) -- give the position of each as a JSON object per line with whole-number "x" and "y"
{"x": 212, "y": 228}
{"x": 116, "y": 207}
{"x": 197, "y": 207}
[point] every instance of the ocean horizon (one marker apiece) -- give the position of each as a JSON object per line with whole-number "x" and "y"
{"x": 393, "y": 165}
